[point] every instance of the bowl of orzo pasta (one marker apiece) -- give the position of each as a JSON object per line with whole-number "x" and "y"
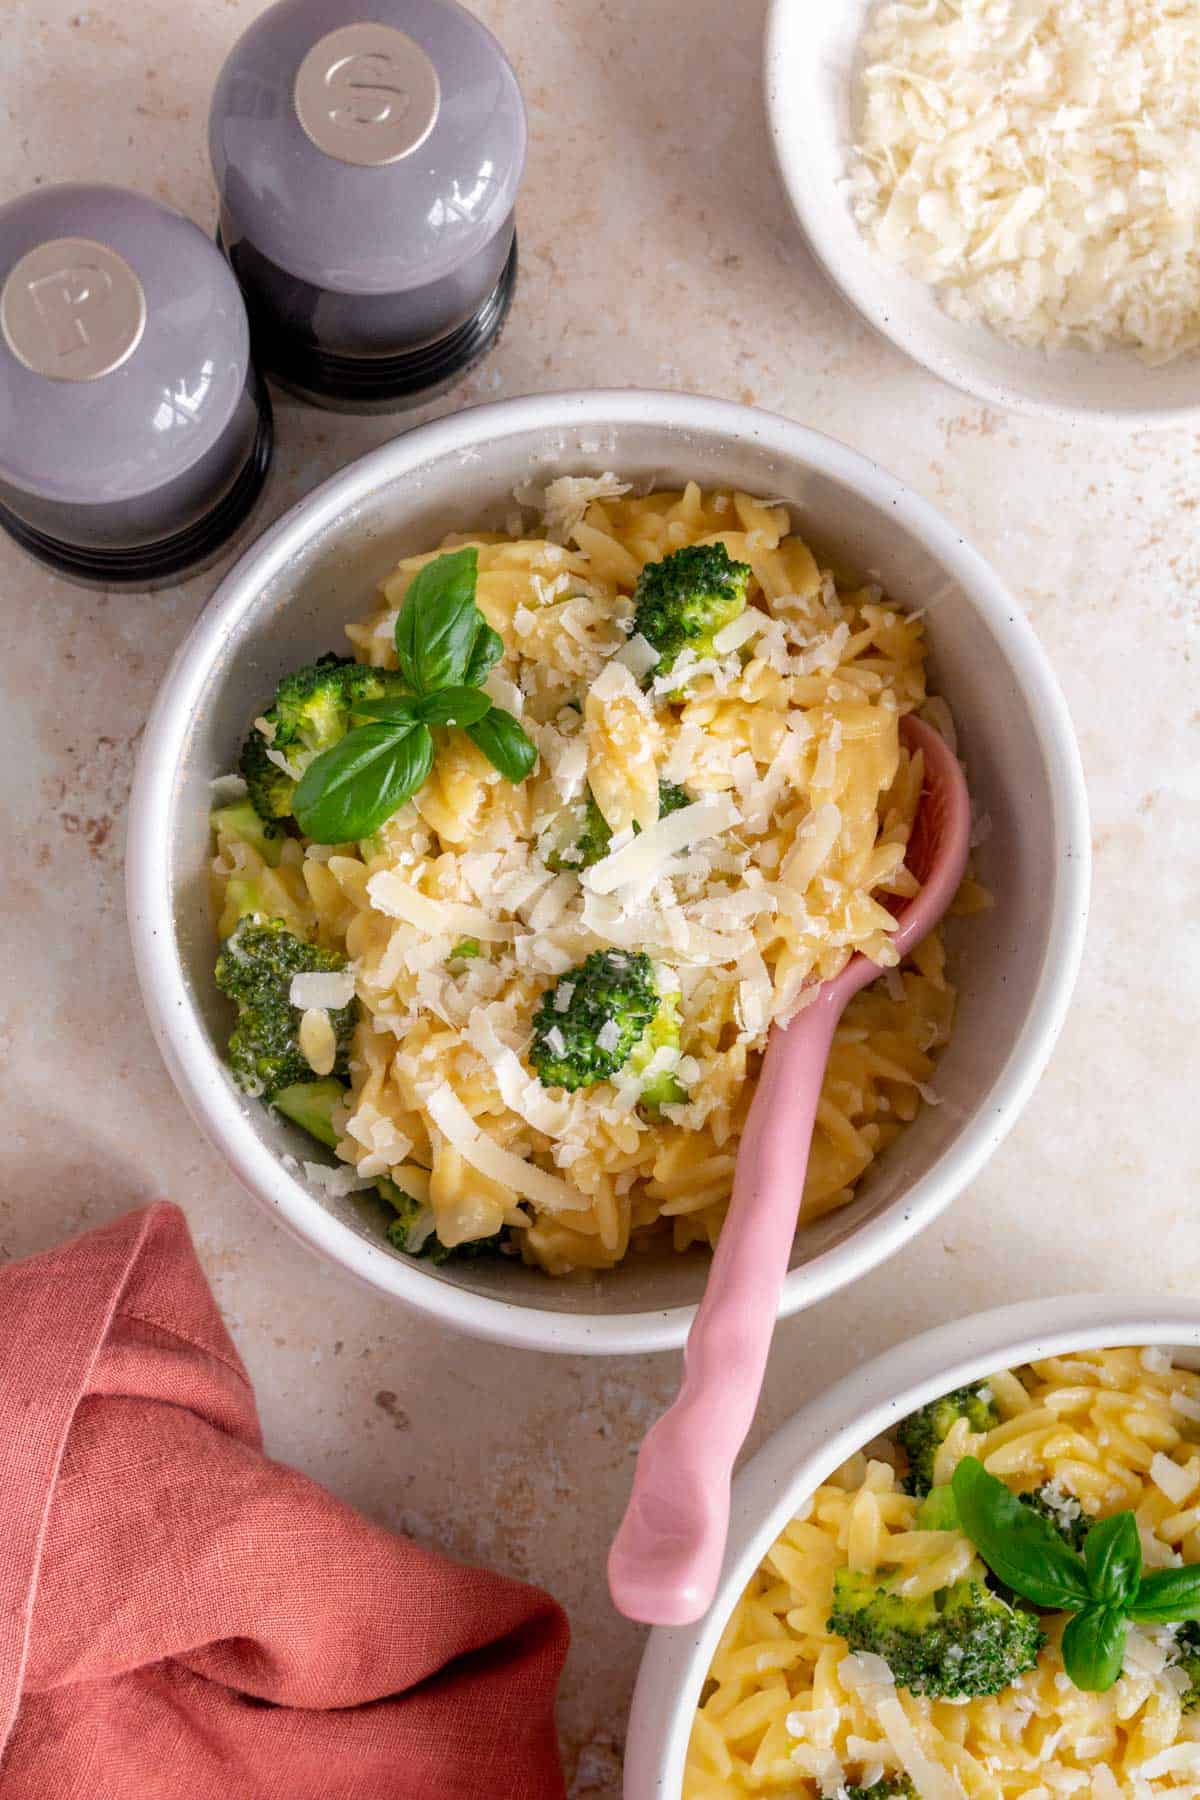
{"x": 970, "y": 1569}
{"x": 511, "y": 790}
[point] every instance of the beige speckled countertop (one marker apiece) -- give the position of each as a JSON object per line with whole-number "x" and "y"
{"x": 657, "y": 250}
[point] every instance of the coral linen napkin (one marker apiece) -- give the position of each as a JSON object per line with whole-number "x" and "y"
{"x": 182, "y": 1619}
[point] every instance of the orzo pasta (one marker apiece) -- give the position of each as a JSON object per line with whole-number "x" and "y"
{"x": 791, "y": 1708}
{"x": 735, "y": 820}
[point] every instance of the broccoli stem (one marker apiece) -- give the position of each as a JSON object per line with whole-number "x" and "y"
{"x": 311, "y": 1104}
{"x": 241, "y": 822}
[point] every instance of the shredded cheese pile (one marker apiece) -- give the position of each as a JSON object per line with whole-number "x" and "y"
{"x": 1038, "y": 162}
{"x": 789, "y": 1711}
{"x": 779, "y": 868}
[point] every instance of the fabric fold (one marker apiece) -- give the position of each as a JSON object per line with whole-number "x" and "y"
{"x": 181, "y": 1616}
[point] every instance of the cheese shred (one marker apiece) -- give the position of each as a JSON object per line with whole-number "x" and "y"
{"x": 1038, "y": 163}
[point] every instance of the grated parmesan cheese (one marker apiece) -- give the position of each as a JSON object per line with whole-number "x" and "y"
{"x": 739, "y": 631}
{"x": 483, "y": 1153}
{"x": 638, "y": 656}
{"x": 336, "y": 1181}
{"x": 1038, "y": 163}
{"x": 565, "y": 500}
{"x": 392, "y": 895}
{"x": 520, "y": 1091}
{"x": 225, "y": 789}
{"x": 322, "y": 988}
{"x": 931, "y": 1780}
{"x": 645, "y": 858}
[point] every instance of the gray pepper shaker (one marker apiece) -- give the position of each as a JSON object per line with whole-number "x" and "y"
{"x": 367, "y": 154}
{"x": 135, "y": 435}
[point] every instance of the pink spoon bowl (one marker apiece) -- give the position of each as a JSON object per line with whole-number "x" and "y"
{"x": 666, "y": 1558}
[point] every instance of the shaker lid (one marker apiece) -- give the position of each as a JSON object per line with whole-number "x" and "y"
{"x": 124, "y": 346}
{"x": 367, "y": 146}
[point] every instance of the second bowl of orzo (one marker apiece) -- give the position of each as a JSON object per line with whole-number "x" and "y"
{"x": 556, "y": 755}
{"x": 968, "y": 1571}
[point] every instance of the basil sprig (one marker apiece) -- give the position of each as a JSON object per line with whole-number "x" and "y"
{"x": 1104, "y": 1588}
{"x": 446, "y": 649}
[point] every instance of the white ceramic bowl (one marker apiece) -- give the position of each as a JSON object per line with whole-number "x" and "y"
{"x": 810, "y": 61}
{"x": 773, "y": 1486}
{"x": 288, "y": 599}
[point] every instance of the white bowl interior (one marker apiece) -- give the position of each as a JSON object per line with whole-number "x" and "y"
{"x": 280, "y": 609}
{"x": 819, "y": 1438}
{"x": 811, "y": 58}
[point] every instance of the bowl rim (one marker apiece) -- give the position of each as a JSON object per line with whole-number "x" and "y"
{"x": 820, "y": 1436}
{"x": 869, "y": 299}
{"x": 201, "y": 1079}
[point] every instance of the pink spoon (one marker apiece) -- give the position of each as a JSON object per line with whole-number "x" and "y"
{"x": 666, "y": 1558}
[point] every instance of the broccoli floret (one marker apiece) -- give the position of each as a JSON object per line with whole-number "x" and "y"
{"x": 311, "y": 711}
{"x": 600, "y": 1016}
{"x": 578, "y": 838}
{"x": 923, "y": 1432}
{"x": 310, "y": 1104}
{"x": 962, "y": 1641}
{"x": 684, "y": 600}
{"x": 311, "y": 705}
{"x": 412, "y": 1228}
{"x": 255, "y": 969}
{"x": 1072, "y": 1527}
{"x": 892, "y": 1787}
{"x": 612, "y": 994}
{"x": 1187, "y": 1648}
{"x": 270, "y": 788}
{"x": 592, "y": 838}
{"x": 412, "y": 1232}
{"x": 663, "y": 1088}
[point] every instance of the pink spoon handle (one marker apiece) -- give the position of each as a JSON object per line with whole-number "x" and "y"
{"x": 667, "y": 1554}
{"x": 666, "y": 1558}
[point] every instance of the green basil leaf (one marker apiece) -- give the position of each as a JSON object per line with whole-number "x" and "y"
{"x": 1112, "y": 1553}
{"x": 486, "y": 651}
{"x": 400, "y": 709}
{"x": 350, "y": 790}
{"x": 1093, "y": 1647}
{"x": 439, "y": 622}
{"x": 454, "y": 706}
{"x": 504, "y": 743}
{"x": 1016, "y": 1543}
{"x": 1167, "y": 1596}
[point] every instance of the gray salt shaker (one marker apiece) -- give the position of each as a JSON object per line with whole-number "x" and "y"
{"x": 367, "y": 155}
{"x": 134, "y": 434}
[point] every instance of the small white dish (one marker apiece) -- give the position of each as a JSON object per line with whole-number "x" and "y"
{"x": 810, "y": 61}
{"x": 288, "y": 599}
{"x": 817, "y": 1439}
